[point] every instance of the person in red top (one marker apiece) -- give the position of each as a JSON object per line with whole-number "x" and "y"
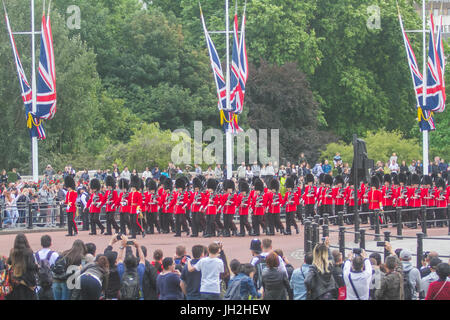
{"x": 121, "y": 203}
{"x": 414, "y": 201}
{"x": 327, "y": 197}
{"x": 319, "y": 194}
{"x": 229, "y": 203}
{"x": 195, "y": 202}
{"x": 427, "y": 197}
{"x": 210, "y": 203}
{"x": 167, "y": 201}
{"x": 244, "y": 203}
{"x": 440, "y": 290}
{"x": 401, "y": 195}
{"x": 375, "y": 200}
{"x": 363, "y": 200}
{"x": 309, "y": 196}
{"x": 110, "y": 199}
{"x": 275, "y": 201}
{"x": 258, "y": 206}
{"x": 182, "y": 201}
{"x": 441, "y": 197}
{"x": 71, "y": 207}
{"x": 151, "y": 199}
{"x": 338, "y": 196}
{"x": 349, "y": 196}
{"x": 388, "y": 195}
{"x": 291, "y": 201}
{"x": 135, "y": 203}
{"x": 95, "y": 206}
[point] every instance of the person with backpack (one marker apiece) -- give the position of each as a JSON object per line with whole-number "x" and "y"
{"x": 149, "y": 287}
{"x": 94, "y": 279}
{"x": 242, "y": 287}
{"x": 391, "y": 286}
{"x": 168, "y": 282}
{"x": 298, "y": 278}
{"x": 45, "y": 259}
{"x": 357, "y": 274}
{"x": 411, "y": 277}
{"x": 131, "y": 270}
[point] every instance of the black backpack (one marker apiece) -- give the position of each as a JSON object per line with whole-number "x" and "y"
{"x": 259, "y": 266}
{"x": 45, "y": 276}
{"x": 129, "y": 286}
{"x": 407, "y": 286}
{"x": 59, "y": 269}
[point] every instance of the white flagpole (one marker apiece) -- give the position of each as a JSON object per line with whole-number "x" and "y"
{"x": 425, "y": 132}
{"x": 229, "y": 137}
{"x": 34, "y": 142}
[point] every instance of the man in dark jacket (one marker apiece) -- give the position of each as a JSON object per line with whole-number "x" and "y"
{"x": 149, "y": 288}
{"x": 392, "y": 283}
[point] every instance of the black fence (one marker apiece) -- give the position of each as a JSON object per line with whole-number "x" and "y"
{"x": 316, "y": 225}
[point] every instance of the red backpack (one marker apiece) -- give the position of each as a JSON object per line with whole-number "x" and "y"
{"x": 5, "y": 279}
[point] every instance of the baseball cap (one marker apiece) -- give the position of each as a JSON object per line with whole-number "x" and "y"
{"x": 434, "y": 262}
{"x": 255, "y": 245}
{"x": 405, "y": 255}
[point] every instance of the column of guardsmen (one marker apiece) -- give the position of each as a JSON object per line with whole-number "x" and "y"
{"x": 210, "y": 207}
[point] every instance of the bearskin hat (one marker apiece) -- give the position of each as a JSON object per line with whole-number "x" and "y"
{"x": 229, "y": 184}
{"x": 396, "y": 180}
{"x": 380, "y": 176}
{"x": 123, "y": 184}
{"x": 290, "y": 183}
{"x": 415, "y": 179}
{"x": 338, "y": 179}
{"x": 387, "y": 178}
{"x": 134, "y": 182}
{"x": 168, "y": 185}
{"x": 322, "y": 178}
{"x": 69, "y": 182}
{"x": 180, "y": 183}
{"x": 162, "y": 178}
{"x": 309, "y": 178}
{"x": 427, "y": 180}
{"x": 328, "y": 179}
{"x": 95, "y": 184}
{"x": 212, "y": 184}
{"x": 351, "y": 180}
{"x": 401, "y": 178}
{"x": 445, "y": 175}
{"x": 197, "y": 183}
{"x": 244, "y": 187}
{"x": 440, "y": 183}
{"x": 259, "y": 185}
{"x": 274, "y": 184}
{"x": 375, "y": 182}
{"x": 151, "y": 184}
{"x": 141, "y": 184}
{"x": 110, "y": 182}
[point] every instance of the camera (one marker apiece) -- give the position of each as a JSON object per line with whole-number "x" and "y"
{"x": 119, "y": 236}
{"x": 130, "y": 243}
{"x": 324, "y": 239}
{"x": 381, "y": 243}
{"x": 357, "y": 251}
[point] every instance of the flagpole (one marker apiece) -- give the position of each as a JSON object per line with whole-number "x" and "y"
{"x": 424, "y": 99}
{"x": 34, "y": 142}
{"x": 229, "y": 137}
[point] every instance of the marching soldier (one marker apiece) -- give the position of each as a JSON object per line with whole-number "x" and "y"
{"x": 182, "y": 201}
{"x": 349, "y": 196}
{"x": 244, "y": 203}
{"x": 71, "y": 208}
{"x": 151, "y": 198}
{"x": 309, "y": 196}
{"x": 388, "y": 195}
{"x": 135, "y": 203}
{"x": 209, "y": 204}
{"x": 375, "y": 200}
{"x": 275, "y": 201}
{"x": 110, "y": 199}
{"x": 122, "y": 202}
{"x": 167, "y": 200}
{"x": 291, "y": 201}
{"x": 327, "y": 198}
{"x": 338, "y": 195}
{"x": 95, "y": 206}
{"x": 228, "y": 202}
{"x": 427, "y": 196}
{"x": 414, "y": 201}
{"x": 441, "y": 197}
{"x": 258, "y": 204}
{"x": 363, "y": 200}
{"x": 195, "y": 201}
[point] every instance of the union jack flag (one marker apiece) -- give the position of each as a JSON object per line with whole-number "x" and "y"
{"x": 228, "y": 119}
{"x": 243, "y": 61}
{"x": 46, "y": 84}
{"x": 426, "y": 119}
{"x": 36, "y": 130}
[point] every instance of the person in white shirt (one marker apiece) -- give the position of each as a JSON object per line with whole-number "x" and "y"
{"x": 394, "y": 167}
{"x": 146, "y": 174}
{"x": 357, "y": 273}
{"x": 46, "y": 253}
{"x": 267, "y": 248}
{"x": 126, "y": 174}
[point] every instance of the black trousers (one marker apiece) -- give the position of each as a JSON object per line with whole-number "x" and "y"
{"x": 195, "y": 223}
{"x": 202, "y": 222}
{"x": 290, "y": 221}
{"x": 430, "y": 214}
{"x": 364, "y": 217}
{"x": 111, "y": 222}
{"x": 136, "y": 225}
{"x": 351, "y": 211}
{"x": 243, "y": 224}
{"x": 178, "y": 220}
{"x": 152, "y": 222}
{"x": 210, "y": 224}
{"x": 309, "y": 211}
{"x": 256, "y": 222}
{"x": 337, "y": 209}
{"x": 95, "y": 221}
{"x": 228, "y": 223}
{"x": 85, "y": 219}
{"x": 390, "y": 212}
{"x": 441, "y": 214}
{"x": 124, "y": 222}
{"x": 165, "y": 223}
{"x": 171, "y": 221}
{"x": 71, "y": 225}
{"x": 412, "y": 217}
{"x": 271, "y": 222}
{"x": 219, "y": 225}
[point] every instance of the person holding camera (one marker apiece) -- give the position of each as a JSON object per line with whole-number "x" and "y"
{"x": 357, "y": 275}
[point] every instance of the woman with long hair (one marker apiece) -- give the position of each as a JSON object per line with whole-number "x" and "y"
{"x": 23, "y": 270}
{"x": 94, "y": 279}
{"x": 72, "y": 257}
{"x": 274, "y": 282}
{"x": 11, "y": 207}
{"x": 320, "y": 283}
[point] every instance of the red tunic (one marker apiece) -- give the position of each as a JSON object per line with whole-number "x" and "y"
{"x": 122, "y": 202}
{"x": 232, "y": 199}
{"x": 427, "y": 197}
{"x": 388, "y": 194}
{"x": 71, "y": 198}
{"x": 110, "y": 200}
{"x": 182, "y": 201}
{"x": 259, "y": 204}
{"x": 97, "y": 206}
{"x": 414, "y": 200}
{"x": 135, "y": 202}
{"x": 338, "y": 195}
{"x": 309, "y": 196}
{"x": 210, "y": 203}
{"x": 295, "y": 201}
{"x": 441, "y": 198}
{"x": 327, "y": 196}
{"x": 195, "y": 200}
{"x": 401, "y": 196}
{"x": 274, "y": 202}
{"x": 151, "y": 200}
{"x": 244, "y": 203}
{"x": 375, "y": 199}
{"x": 349, "y": 196}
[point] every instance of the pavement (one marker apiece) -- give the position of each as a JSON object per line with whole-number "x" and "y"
{"x": 234, "y": 247}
